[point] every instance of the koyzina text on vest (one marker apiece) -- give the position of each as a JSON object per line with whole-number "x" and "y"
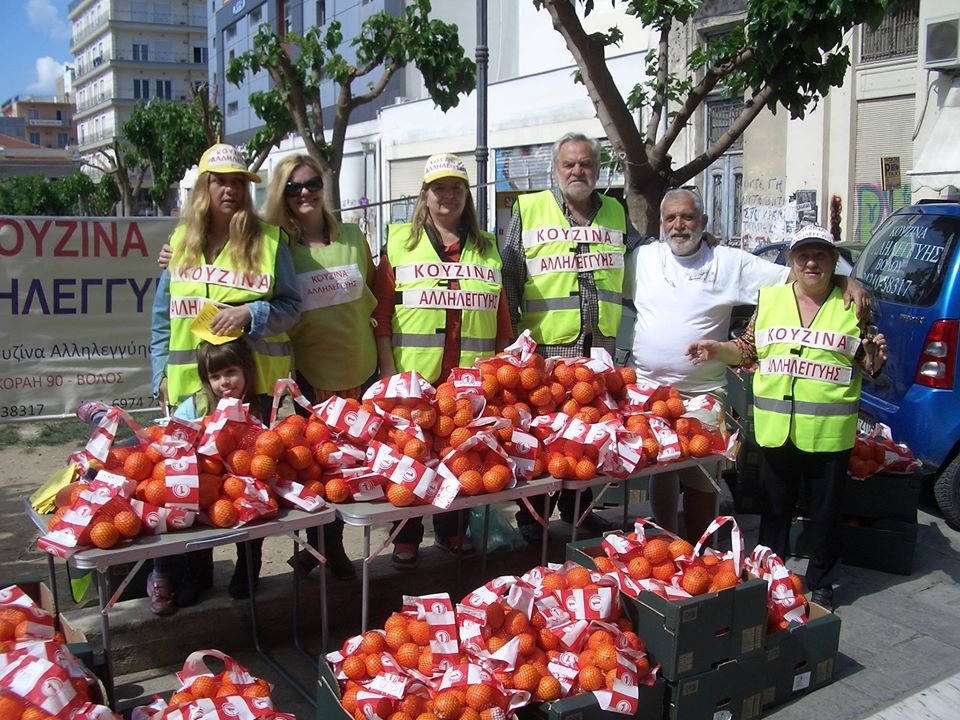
{"x": 446, "y": 271}
{"x": 214, "y": 275}
{"x": 824, "y": 340}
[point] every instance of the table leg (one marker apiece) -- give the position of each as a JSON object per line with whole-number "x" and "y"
{"x": 103, "y": 595}
{"x": 626, "y": 502}
{"x": 576, "y": 514}
{"x": 324, "y": 624}
{"x": 545, "y": 535}
{"x": 52, "y": 577}
{"x": 483, "y": 544}
{"x": 365, "y": 580}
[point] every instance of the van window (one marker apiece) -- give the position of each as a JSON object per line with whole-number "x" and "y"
{"x": 908, "y": 258}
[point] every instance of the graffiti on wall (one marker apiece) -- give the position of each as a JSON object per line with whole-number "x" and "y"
{"x": 874, "y": 204}
{"x": 769, "y": 216}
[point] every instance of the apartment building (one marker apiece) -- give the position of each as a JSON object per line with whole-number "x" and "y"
{"x": 127, "y": 51}
{"x": 48, "y": 120}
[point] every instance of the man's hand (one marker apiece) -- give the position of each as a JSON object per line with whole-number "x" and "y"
{"x": 163, "y": 259}
{"x": 703, "y": 350}
{"x": 230, "y": 319}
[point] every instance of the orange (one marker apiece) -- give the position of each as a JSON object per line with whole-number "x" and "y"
{"x": 138, "y": 466}
{"x": 651, "y": 448}
{"x": 239, "y": 461}
{"x": 508, "y": 377}
{"x": 547, "y": 640}
{"x": 416, "y": 449}
{"x": 526, "y": 643}
{"x": 553, "y": 581}
{"x": 181, "y": 698}
{"x": 495, "y": 616}
{"x": 480, "y": 697}
{"x": 269, "y": 443}
{"x": 639, "y": 568}
{"x": 337, "y": 490}
{"x": 598, "y": 638}
{"x": 204, "y": 686}
{"x": 397, "y": 636}
{"x": 372, "y": 642}
{"x": 496, "y": 478}
{"x": 444, "y": 426}
{"x": 209, "y": 489}
{"x": 419, "y": 631}
{"x": 446, "y": 405}
{"x": 700, "y": 445}
{"x": 408, "y": 654}
{"x": 495, "y": 643}
{"x": 412, "y": 705}
{"x": 675, "y": 407}
{"x": 585, "y": 469}
{"x": 687, "y": 426}
{"x": 548, "y": 688}
{"x": 233, "y": 487}
{"x": 628, "y": 374}
{"x": 223, "y": 513}
{"x": 299, "y": 457}
{"x": 797, "y": 582}
{"x": 571, "y": 407}
{"x": 605, "y": 657}
{"x": 349, "y": 699}
{"x": 530, "y": 377}
{"x": 127, "y": 524}
{"x": 515, "y": 622}
{"x": 564, "y": 374}
{"x": 472, "y": 482}
{"x": 496, "y": 713}
{"x": 400, "y": 496}
{"x": 590, "y": 678}
{"x": 323, "y": 451}
{"x": 490, "y": 385}
{"x": 526, "y": 678}
{"x": 557, "y": 466}
{"x": 355, "y": 667}
{"x": 664, "y": 571}
{"x": 460, "y": 436}
{"x": 603, "y": 563}
{"x": 159, "y": 472}
{"x": 424, "y": 416}
{"x": 696, "y": 580}
{"x": 657, "y": 551}
{"x": 613, "y": 382}
{"x": 104, "y": 535}
{"x": 227, "y": 689}
{"x": 315, "y": 432}
{"x": 448, "y": 705}
{"x": 35, "y": 713}
{"x": 425, "y": 662}
{"x": 680, "y": 547}
{"x": 463, "y": 417}
{"x": 724, "y": 579}
{"x": 660, "y": 409}
{"x": 583, "y": 393}
{"x": 263, "y": 467}
{"x": 578, "y": 577}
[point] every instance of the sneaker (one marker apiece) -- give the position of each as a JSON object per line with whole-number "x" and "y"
{"x": 87, "y": 411}
{"x": 824, "y": 597}
{"x": 455, "y": 544}
{"x": 404, "y": 556}
{"x": 160, "y": 593}
{"x": 532, "y": 533}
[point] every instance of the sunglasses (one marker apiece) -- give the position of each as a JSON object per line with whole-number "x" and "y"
{"x": 314, "y": 184}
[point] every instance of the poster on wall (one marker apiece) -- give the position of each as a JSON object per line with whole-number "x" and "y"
{"x": 75, "y": 302}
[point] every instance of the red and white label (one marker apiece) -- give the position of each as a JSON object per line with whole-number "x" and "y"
{"x": 213, "y": 275}
{"x": 579, "y": 235}
{"x": 586, "y": 262}
{"x": 808, "y": 337}
{"x": 808, "y": 369}
{"x": 326, "y": 287}
{"x": 446, "y": 271}
{"x": 439, "y": 299}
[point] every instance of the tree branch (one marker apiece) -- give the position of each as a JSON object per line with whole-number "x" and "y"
{"x": 659, "y": 100}
{"x": 381, "y": 85}
{"x": 360, "y": 71}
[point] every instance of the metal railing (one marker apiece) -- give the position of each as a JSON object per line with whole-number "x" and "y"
{"x": 896, "y": 36}
{"x": 148, "y": 18}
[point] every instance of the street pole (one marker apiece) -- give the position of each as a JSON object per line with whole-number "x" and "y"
{"x": 483, "y": 55}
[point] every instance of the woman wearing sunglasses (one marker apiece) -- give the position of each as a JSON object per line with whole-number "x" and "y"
{"x": 333, "y": 347}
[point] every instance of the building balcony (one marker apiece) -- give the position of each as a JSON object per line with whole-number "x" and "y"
{"x": 133, "y": 18}
{"x": 157, "y": 60}
{"x": 45, "y": 122}
{"x": 83, "y": 106}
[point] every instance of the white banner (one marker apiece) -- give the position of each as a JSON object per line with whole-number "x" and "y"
{"x": 75, "y": 302}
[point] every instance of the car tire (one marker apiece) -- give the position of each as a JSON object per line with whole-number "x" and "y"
{"x": 946, "y": 490}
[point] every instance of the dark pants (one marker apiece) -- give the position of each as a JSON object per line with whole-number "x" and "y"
{"x": 564, "y": 500}
{"x": 785, "y": 471}
{"x": 444, "y": 526}
{"x": 332, "y": 536}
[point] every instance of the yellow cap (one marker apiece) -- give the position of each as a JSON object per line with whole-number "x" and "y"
{"x": 224, "y": 159}
{"x": 444, "y": 165}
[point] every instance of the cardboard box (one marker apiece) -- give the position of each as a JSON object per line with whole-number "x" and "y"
{"x": 884, "y": 495}
{"x": 585, "y": 707}
{"x": 876, "y": 544}
{"x": 732, "y": 690}
{"x": 328, "y": 694}
{"x": 40, "y": 593}
{"x": 691, "y": 636}
{"x": 801, "y": 658}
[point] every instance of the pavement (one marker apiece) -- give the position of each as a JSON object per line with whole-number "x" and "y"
{"x": 899, "y": 643}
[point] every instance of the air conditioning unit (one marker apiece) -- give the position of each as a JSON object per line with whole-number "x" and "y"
{"x": 942, "y": 50}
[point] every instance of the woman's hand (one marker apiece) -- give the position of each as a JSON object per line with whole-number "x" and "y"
{"x": 703, "y": 350}
{"x": 163, "y": 259}
{"x": 230, "y": 319}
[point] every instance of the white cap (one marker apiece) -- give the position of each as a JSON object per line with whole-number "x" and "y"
{"x": 809, "y": 234}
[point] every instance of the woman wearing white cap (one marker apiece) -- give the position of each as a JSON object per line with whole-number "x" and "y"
{"x": 223, "y": 254}
{"x": 810, "y": 352}
{"x": 446, "y": 332}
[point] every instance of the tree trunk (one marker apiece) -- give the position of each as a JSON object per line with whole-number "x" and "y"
{"x": 643, "y": 201}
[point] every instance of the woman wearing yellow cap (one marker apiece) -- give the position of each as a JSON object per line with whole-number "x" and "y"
{"x": 461, "y": 318}
{"x": 224, "y": 255}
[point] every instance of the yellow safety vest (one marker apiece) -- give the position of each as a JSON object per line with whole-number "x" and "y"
{"x": 550, "y": 307}
{"x": 333, "y": 344}
{"x": 423, "y": 298}
{"x": 807, "y": 385}
{"x": 223, "y": 284}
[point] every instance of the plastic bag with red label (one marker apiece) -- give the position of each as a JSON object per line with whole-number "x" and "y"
{"x": 785, "y": 601}
{"x": 876, "y": 451}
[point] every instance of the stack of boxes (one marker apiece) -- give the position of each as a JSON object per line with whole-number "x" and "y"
{"x": 880, "y": 531}
{"x": 714, "y": 651}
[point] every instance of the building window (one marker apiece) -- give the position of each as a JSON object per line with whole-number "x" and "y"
{"x": 233, "y": 107}
{"x": 255, "y": 16}
{"x": 141, "y": 89}
{"x": 200, "y": 55}
{"x": 163, "y": 89}
{"x": 288, "y": 17}
{"x": 321, "y": 12}
{"x": 140, "y": 52}
{"x": 34, "y": 138}
{"x": 721, "y": 114}
{"x": 231, "y": 31}
{"x": 61, "y": 140}
{"x": 59, "y": 114}
{"x": 896, "y": 36}
{"x": 33, "y": 114}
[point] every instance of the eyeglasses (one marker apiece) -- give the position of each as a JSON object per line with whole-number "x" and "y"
{"x": 314, "y": 184}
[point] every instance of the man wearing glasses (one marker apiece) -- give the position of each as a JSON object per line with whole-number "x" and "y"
{"x": 563, "y": 263}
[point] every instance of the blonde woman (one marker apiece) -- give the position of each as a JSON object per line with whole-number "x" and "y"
{"x": 333, "y": 347}
{"x": 224, "y": 255}
{"x": 441, "y": 334}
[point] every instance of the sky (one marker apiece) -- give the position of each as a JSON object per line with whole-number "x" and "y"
{"x": 35, "y": 37}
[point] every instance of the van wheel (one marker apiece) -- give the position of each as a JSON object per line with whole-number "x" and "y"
{"x": 946, "y": 489}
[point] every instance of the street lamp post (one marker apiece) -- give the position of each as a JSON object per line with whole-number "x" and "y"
{"x": 483, "y": 55}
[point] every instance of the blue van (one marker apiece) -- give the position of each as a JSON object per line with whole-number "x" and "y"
{"x": 912, "y": 266}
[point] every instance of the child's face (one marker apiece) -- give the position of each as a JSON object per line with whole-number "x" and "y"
{"x": 228, "y": 382}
